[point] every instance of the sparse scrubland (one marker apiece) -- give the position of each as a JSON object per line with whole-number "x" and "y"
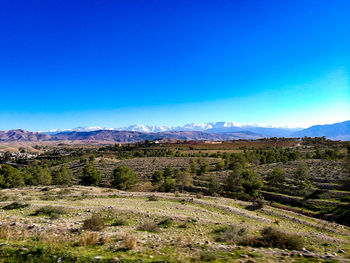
{"x": 275, "y": 200}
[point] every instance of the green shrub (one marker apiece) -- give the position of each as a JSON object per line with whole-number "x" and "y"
{"x": 207, "y": 256}
{"x": 149, "y": 227}
{"x": 119, "y": 222}
{"x": 230, "y": 234}
{"x": 52, "y": 211}
{"x": 271, "y": 237}
{"x": 220, "y": 165}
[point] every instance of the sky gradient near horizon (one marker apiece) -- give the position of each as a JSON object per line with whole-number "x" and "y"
{"x": 106, "y": 63}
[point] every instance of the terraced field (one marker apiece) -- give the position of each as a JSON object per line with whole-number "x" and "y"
{"x": 152, "y": 227}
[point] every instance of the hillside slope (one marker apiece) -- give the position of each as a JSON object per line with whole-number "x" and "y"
{"x": 184, "y": 228}
{"x": 336, "y": 131}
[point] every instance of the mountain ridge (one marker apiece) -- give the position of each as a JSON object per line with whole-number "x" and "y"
{"x": 215, "y": 131}
{"x": 211, "y": 127}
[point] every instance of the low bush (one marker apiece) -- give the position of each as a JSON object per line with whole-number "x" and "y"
{"x": 14, "y": 205}
{"x": 184, "y": 225}
{"x": 51, "y": 211}
{"x": 165, "y": 223}
{"x": 149, "y": 227}
{"x": 256, "y": 205}
{"x": 271, "y": 237}
{"x": 48, "y": 197}
{"x": 153, "y": 198}
{"x": 94, "y": 223}
{"x": 231, "y": 234}
{"x": 64, "y": 191}
{"x": 119, "y": 222}
{"x": 207, "y": 256}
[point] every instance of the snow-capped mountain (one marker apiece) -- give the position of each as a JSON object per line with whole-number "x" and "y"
{"x": 77, "y": 129}
{"x": 211, "y": 127}
{"x": 145, "y": 128}
{"x": 214, "y": 131}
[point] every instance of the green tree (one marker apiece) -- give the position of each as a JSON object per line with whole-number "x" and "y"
{"x": 302, "y": 172}
{"x": 168, "y": 171}
{"x": 38, "y": 176}
{"x": 63, "y": 176}
{"x": 157, "y": 178}
{"x": 301, "y": 175}
{"x": 10, "y": 177}
{"x": 243, "y": 183}
{"x": 90, "y": 175}
{"x": 237, "y": 158}
{"x": 234, "y": 182}
{"x": 193, "y": 166}
{"x": 168, "y": 184}
{"x": 184, "y": 179}
{"x": 123, "y": 178}
{"x": 345, "y": 181}
{"x": 203, "y": 168}
{"x": 252, "y": 183}
{"x": 214, "y": 185}
{"x": 220, "y": 165}
{"x": 276, "y": 176}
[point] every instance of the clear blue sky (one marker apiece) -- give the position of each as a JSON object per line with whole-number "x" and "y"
{"x": 108, "y": 63}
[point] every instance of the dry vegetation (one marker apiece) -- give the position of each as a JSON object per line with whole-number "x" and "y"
{"x": 175, "y": 227}
{"x": 101, "y": 224}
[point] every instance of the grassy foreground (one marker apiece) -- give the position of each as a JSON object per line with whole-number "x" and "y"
{"x": 49, "y": 225}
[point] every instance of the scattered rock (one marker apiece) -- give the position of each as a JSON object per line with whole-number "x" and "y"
{"x": 308, "y": 255}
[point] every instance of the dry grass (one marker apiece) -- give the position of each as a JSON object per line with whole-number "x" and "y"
{"x": 129, "y": 242}
{"x": 5, "y": 232}
{"x": 94, "y": 223}
{"x": 12, "y": 233}
{"x": 89, "y": 239}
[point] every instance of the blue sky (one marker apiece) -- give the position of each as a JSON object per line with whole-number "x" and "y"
{"x": 65, "y": 64}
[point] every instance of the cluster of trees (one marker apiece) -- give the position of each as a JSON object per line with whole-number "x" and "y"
{"x": 11, "y": 177}
{"x": 199, "y": 168}
{"x": 242, "y": 183}
{"x": 169, "y": 179}
{"x": 301, "y": 179}
{"x": 328, "y": 154}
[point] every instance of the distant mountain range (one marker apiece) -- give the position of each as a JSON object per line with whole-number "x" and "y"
{"x": 122, "y": 136}
{"x": 213, "y": 131}
{"x": 211, "y": 127}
